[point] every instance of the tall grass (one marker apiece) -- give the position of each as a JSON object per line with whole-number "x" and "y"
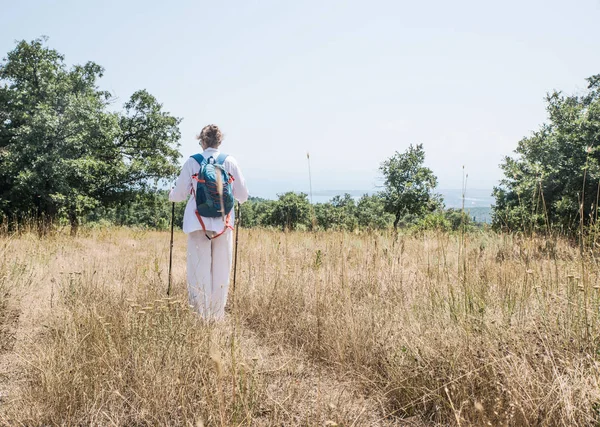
{"x": 486, "y": 330}
{"x": 6, "y": 315}
{"x": 106, "y": 347}
{"x": 466, "y": 329}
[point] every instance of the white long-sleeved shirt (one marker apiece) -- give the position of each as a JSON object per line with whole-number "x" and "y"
{"x": 183, "y": 190}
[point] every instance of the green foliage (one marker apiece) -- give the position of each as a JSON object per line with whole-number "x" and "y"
{"x": 152, "y": 209}
{"x": 293, "y": 211}
{"x": 370, "y": 213}
{"x": 256, "y": 212}
{"x": 433, "y": 221}
{"x": 446, "y": 220}
{"x": 64, "y": 150}
{"x": 337, "y": 214}
{"x": 409, "y": 185}
{"x": 555, "y": 175}
{"x": 289, "y": 212}
{"x": 458, "y": 220}
{"x": 344, "y": 213}
{"x": 147, "y": 209}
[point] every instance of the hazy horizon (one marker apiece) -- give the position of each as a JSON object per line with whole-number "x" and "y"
{"x": 474, "y": 198}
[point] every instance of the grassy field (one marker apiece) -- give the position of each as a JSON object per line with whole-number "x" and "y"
{"x": 326, "y": 329}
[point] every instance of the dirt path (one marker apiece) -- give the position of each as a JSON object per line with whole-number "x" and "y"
{"x": 303, "y": 393}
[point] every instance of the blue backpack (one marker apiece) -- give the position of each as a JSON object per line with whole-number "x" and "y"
{"x": 210, "y": 203}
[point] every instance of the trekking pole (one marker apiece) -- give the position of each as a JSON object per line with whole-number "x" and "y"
{"x": 238, "y": 219}
{"x": 171, "y": 248}
{"x": 237, "y": 232}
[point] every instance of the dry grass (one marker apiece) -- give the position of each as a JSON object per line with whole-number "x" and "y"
{"x": 497, "y": 331}
{"x": 105, "y": 347}
{"x": 339, "y": 328}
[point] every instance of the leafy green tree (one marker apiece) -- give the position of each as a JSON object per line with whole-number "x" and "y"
{"x": 457, "y": 219}
{"x": 289, "y": 212}
{"x": 337, "y": 214}
{"x": 370, "y": 213}
{"x": 433, "y": 221}
{"x": 325, "y": 215}
{"x": 409, "y": 185}
{"x": 256, "y": 211}
{"x": 555, "y": 175}
{"x": 344, "y": 213}
{"x": 451, "y": 219}
{"x": 63, "y": 150}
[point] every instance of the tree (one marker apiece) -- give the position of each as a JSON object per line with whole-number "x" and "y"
{"x": 63, "y": 152}
{"x": 325, "y": 215}
{"x": 458, "y": 219}
{"x": 409, "y": 185}
{"x": 370, "y": 212}
{"x": 553, "y": 181}
{"x": 338, "y": 213}
{"x": 255, "y": 211}
{"x": 289, "y": 211}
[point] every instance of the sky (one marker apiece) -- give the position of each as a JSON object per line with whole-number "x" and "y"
{"x": 350, "y": 82}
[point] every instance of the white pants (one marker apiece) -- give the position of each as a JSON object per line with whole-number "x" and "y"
{"x": 208, "y": 268}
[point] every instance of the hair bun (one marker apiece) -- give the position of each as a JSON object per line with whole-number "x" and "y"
{"x": 211, "y": 136}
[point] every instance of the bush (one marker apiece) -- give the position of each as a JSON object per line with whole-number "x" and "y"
{"x": 435, "y": 221}
{"x": 289, "y": 212}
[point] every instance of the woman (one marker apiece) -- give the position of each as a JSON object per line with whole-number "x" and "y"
{"x": 209, "y": 253}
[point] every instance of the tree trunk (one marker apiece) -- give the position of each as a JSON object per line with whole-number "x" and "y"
{"x": 74, "y": 223}
{"x": 45, "y": 223}
{"x": 396, "y": 221}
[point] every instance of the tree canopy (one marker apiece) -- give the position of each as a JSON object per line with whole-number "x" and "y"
{"x": 409, "y": 185}
{"x": 290, "y": 211}
{"x": 63, "y": 150}
{"x": 553, "y": 181}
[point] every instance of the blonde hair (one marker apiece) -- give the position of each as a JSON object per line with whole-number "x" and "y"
{"x": 211, "y": 136}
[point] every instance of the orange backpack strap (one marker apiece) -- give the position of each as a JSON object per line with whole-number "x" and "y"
{"x": 227, "y": 226}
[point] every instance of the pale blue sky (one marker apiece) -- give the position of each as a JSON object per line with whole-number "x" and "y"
{"x": 348, "y": 81}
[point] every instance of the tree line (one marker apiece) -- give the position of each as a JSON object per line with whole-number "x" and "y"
{"x": 290, "y": 211}
{"x": 67, "y": 154}
{"x": 64, "y": 150}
